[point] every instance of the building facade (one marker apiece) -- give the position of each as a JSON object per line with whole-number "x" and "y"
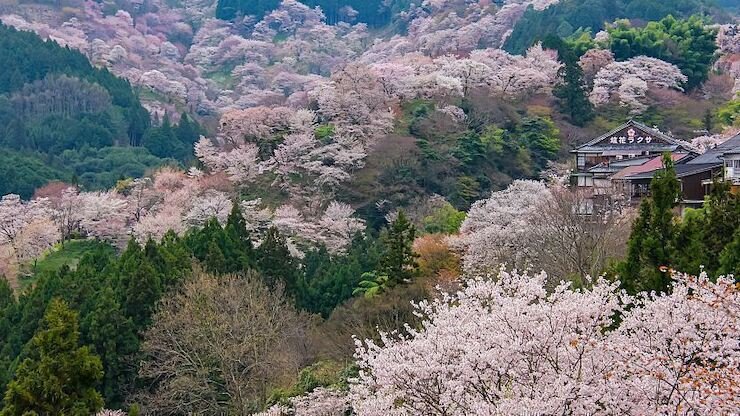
{"x": 617, "y": 167}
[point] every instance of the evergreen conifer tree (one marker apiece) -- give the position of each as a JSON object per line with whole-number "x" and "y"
{"x": 398, "y": 260}
{"x": 649, "y": 248}
{"x": 59, "y": 376}
{"x": 276, "y": 263}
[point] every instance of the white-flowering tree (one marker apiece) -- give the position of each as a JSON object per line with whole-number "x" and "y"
{"x": 498, "y": 229}
{"x": 335, "y": 228}
{"x": 36, "y": 238}
{"x": 104, "y": 215}
{"x": 320, "y": 402}
{"x": 509, "y": 346}
{"x": 211, "y": 204}
{"x": 628, "y": 81}
{"x": 16, "y": 214}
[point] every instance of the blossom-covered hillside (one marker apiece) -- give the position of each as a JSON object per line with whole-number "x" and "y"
{"x": 396, "y": 207}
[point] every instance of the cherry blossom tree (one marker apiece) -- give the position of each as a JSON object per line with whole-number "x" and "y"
{"x": 212, "y": 204}
{"x": 728, "y": 39}
{"x": 36, "y": 238}
{"x": 704, "y": 143}
{"x": 593, "y": 60}
{"x": 629, "y": 81}
{"x": 320, "y": 402}
{"x": 104, "y": 215}
{"x": 509, "y": 346}
{"x": 16, "y": 215}
{"x": 498, "y": 229}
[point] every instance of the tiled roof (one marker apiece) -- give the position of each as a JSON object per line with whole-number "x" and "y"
{"x": 682, "y": 170}
{"x": 670, "y": 145}
{"x": 731, "y": 146}
{"x": 650, "y": 165}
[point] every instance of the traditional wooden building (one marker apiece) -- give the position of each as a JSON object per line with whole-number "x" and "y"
{"x": 727, "y": 157}
{"x": 631, "y": 144}
{"x": 621, "y": 164}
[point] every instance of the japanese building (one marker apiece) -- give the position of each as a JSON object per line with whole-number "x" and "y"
{"x": 631, "y": 144}
{"x": 621, "y": 164}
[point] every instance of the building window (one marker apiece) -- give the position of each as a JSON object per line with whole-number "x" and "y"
{"x": 732, "y": 168}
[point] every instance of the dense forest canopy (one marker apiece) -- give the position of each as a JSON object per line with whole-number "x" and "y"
{"x": 64, "y": 119}
{"x": 373, "y": 12}
{"x": 566, "y": 17}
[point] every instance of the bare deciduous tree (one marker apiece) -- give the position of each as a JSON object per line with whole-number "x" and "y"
{"x": 218, "y": 345}
{"x": 572, "y": 240}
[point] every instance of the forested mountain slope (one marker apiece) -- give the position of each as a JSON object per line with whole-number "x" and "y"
{"x": 64, "y": 119}
{"x": 330, "y": 173}
{"x": 569, "y": 16}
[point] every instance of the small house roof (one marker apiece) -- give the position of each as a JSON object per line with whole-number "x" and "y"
{"x": 729, "y": 147}
{"x": 649, "y": 166}
{"x": 682, "y": 171}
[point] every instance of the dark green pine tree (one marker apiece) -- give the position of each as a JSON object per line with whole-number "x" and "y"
{"x": 7, "y": 298}
{"x": 651, "y": 240}
{"x": 113, "y": 337}
{"x": 177, "y": 259}
{"x": 239, "y": 249}
{"x": 729, "y": 259}
{"x": 398, "y": 260}
{"x": 139, "y": 285}
{"x": 59, "y": 376}
{"x": 276, "y": 264}
{"x": 188, "y": 130}
{"x": 722, "y": 212}
{"x": 215, "y": 261}
{"x": 573, "y": 92}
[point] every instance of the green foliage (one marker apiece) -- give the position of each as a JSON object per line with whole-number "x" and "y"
{"x": 60, "y": 119}
{"x": 58, "y": 376}
{"x": 329, "y": 280}
{"x": 572, "y": 89}
{"x": 138, "y": 284}
{"x": 446, "y": 220}
{"x": 649, "y": 247}
{"x": 22, "y": 173}
{"x": 704, "y": 239}
{"x": 27, "y": 58}
{"x": 729, "y": 259}
{"x": 398, "y": 260}
{"x": 114, "y": 297}
{"x": 175, "y": 142}
{"x": 567, "y": 17}
{"x": 372, "y": 285}
{"x": 324, "y": 132}
{"x": 67, "y": 255}
{"x": 276, "y": 263}
{"x": 688, "y": 43}
{"x": 729, "y": 114}
{"x": 331, "y": 374}
{"x": 542, "y": 139}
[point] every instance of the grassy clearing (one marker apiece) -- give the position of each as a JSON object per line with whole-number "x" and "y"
{"x": 68, "y": 255}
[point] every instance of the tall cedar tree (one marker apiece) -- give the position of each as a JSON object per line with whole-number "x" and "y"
{"x": 650, "y": 242}
{"x": 571, "y": 89}
{"x": 59, "y": 376}
{"x": 113, "y": 338}
{"x": 572, "y": 92}
{"x": 398, "y": 260}
{"x": 276, "y": 264}
{"x": 139, "y": 284}
{"x": 240, "y": 253}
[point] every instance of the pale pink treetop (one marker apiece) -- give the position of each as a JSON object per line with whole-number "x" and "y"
{"x": 509, "y": 346}
{"x": 628, "y": 81}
